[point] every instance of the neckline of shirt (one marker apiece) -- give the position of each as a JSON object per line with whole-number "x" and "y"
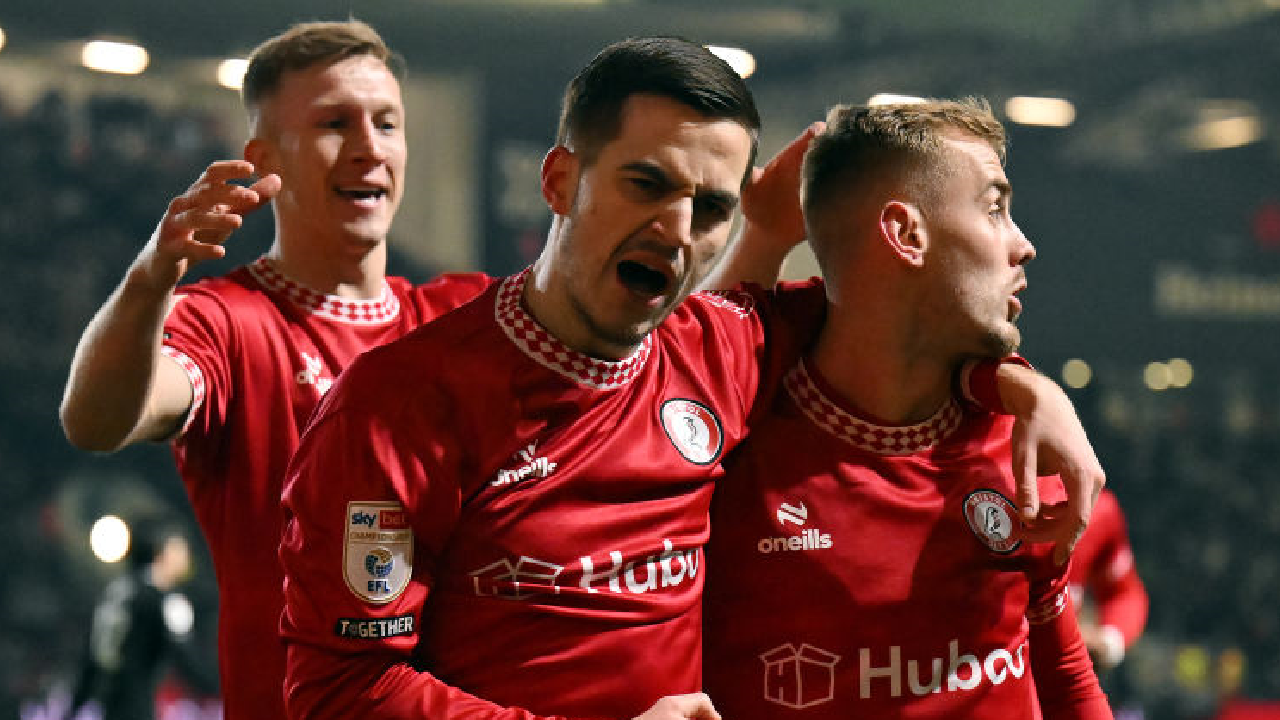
{"x": 544, "y": 348}
{"x": 803, "y": 385}
{"x": 380, "y": 310}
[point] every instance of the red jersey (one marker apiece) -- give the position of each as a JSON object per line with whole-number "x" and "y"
{"x": 479, "y": 511}
{"x": 260, "y": 351}
{"x": 1104, "y": 575}
{"x": 866, "y": 571}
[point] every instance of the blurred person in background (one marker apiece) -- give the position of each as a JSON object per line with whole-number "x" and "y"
{"x": 1111, "y": 598}
{"x": 140, "y": 629}
{"x": 228, "y": 369}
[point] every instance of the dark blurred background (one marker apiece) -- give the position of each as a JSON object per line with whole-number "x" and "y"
{"x": 1153, "y": 198}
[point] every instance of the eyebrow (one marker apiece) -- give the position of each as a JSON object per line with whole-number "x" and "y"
{"x": 658, "y": 175}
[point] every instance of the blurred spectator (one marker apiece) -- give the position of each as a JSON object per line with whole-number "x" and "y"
{"x": 140, "y": 625}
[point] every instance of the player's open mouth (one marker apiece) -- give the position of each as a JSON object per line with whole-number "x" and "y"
{"x": 641, "y": 279}
{"x": 362, "y": 193}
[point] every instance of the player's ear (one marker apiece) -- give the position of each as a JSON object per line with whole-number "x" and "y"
{"x": 902, "y": 229}
{"x": 560, "y": 179}
{"x": 258, "y": 152}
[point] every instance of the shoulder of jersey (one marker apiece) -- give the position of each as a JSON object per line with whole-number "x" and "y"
{"x": 738, "y": 302}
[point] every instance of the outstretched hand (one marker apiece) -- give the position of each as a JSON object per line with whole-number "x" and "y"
{"x": 199, "y": 221}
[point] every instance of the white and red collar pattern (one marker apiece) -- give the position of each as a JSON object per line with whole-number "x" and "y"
{"x": 544, "y": 348}
{"x": 356, "y": 312}
{"x": 879, "y": 439}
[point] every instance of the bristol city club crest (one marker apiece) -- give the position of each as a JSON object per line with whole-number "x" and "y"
{"x": 992, "y": 519}
{"x": 693, "y": 429}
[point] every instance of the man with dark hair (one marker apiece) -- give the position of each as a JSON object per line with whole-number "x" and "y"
{"x": 868, "y": 559}
{"x": 140, "y": 627}
{"x": 503, "y": 513}
{"x": 510, "y": 504}
{"x": 229, "y": 369}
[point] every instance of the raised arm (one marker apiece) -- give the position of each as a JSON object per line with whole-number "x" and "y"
{"x": 773, "y": 220}
{"x": 121, "y": 389}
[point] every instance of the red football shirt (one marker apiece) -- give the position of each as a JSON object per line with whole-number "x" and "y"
{"x": 480, "y": 512}
{"x": 866, "y": 571}
{"x": 260, "y": 351}
{"x": 1104, "y": 575}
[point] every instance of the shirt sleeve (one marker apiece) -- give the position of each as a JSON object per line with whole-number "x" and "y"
{"x": 197, "y": 334}
{"x": 1066, "y": 684}
{"x": 977, "y": 382}
{"x": 368, "y": 504}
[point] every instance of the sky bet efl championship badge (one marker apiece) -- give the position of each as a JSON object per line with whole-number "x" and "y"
{"x": 992, "y": 518}
{"x": 693, "y": 429}
{"x": 378, "y": 553}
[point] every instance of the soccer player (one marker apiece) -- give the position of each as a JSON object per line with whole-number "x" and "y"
{"x": 229, "y": 369}
{"x": 503, "y": 513}
{"x": 1110, "y": 595}
{"x": 140, "y": 627}
{"x": 867, "y": 559}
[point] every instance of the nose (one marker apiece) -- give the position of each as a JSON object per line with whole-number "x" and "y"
{"x": 367, "y": 141}
{"x": 1024, "y": 251}
{"x": 674, "y": 222}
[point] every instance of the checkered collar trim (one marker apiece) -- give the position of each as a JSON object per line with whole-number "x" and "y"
{"x": 546, "y": 350}
{"x": 357, "y": 312}
{"x": 881, "y": 440}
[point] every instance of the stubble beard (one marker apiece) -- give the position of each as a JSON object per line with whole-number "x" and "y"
{"x": 1002, "y": 343}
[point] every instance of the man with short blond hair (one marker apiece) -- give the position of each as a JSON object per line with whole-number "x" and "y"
{"x": 228, "y": 369}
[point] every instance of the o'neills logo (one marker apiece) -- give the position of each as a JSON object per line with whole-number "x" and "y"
{"x": 693, "y": 429}
{"x": 991, "y": 518}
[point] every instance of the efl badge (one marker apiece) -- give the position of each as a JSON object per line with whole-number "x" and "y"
{"x": 377, "y": 555}
{"x": 991, "y": 517}
{"x": 693, "y": 429}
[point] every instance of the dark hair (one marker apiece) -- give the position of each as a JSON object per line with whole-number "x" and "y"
{"x": 306, "y": 44}
{"x": 862, "y": 142}
{"x": 147, "y": 537}
{"x": 671, "y": 67}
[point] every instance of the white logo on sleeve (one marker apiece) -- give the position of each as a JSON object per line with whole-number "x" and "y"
{"x": 377, "y": 553}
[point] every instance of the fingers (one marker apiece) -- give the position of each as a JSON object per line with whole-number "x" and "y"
{"x": 1025, "y": 465}
{"x": 212, "y": 208}
{"x": 771, "y": 201}
{"x": 693, "y": 706}
{"x": 791, "y": 157}
{"x": 1053, "y": 523}
{"x": 698, "y": 707}
{"x": 1083, "y": 487}
{"x": 267, "y": 187}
